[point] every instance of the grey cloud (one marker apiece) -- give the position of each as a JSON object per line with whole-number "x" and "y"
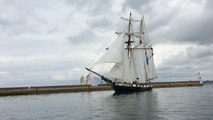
{"x": 174, "y": 26}
{"x": 4, "y": 22}
{"x": 27, "y": 17}
{"x": 83, "y": 37}
{"x": 136, "y": 4}
{"x": 199, "y": 53}
{"x": 101, "y": 23}
{"x": 200, "y": 32}
{"x": 92, "y": 7}
{"x": 185, "y": 65}
{"x": 209, "y": 4}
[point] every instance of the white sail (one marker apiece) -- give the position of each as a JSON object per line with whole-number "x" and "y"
{"x": 139, "y": 60}
{"x": 116, "y": 72}
{"x": 123, "y": 72}
{"x": 139, "y": 67}
{"x": 129, "y": 68}
{"x": 144, "y": 64}
{"x": 114, "y": 53}
{"x": 146, "y": 40}
{"x": 142, "y": 35}
{"x": 149, "y": 64}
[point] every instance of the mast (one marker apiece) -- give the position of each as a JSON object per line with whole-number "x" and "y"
{"x": 129, "y": 33}
{"x": 141, "y": 32}
{"x": 129, "y": 36}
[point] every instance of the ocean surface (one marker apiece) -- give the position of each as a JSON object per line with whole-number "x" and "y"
{"x": 184, "y": 103}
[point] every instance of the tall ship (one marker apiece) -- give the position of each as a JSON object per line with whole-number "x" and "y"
{"x": 130, "y": 57}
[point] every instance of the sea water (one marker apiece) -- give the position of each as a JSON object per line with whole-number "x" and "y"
{"x": 183, "y": 103}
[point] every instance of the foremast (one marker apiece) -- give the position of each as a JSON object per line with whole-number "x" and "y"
{"x": 129, "y": 33}
{"x": 129, "y": 36}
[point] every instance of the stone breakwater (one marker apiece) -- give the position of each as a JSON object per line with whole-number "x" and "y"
{"x": 83, "y": 88}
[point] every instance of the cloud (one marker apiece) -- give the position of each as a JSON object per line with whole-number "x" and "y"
{"x": 3, "y": 73}
{"x": 83, "y": 37}
{"x": 136, "y": 4}
{"x": 102, "y": 23}
{"x": 185, "y": 62}
{"x": 68, "y": 74}
{"x": 182, "y": 22}
{"x": 51, "y": 42}
{"x": 200, "y": 52}
{"x": 92, "y": 7}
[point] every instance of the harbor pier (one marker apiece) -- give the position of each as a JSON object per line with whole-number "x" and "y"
{"x": 83, "y": 88}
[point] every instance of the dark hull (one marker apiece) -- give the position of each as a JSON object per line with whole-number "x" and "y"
{"x": 129, "y": 89}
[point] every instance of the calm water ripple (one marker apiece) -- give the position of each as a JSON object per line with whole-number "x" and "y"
{"x": 191, "y": 103}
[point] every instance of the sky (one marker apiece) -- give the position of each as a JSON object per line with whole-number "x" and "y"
{"x": 49, "y": 42}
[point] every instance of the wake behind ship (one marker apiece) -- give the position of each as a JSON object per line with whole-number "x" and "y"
{"x": 130, "y": 59}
